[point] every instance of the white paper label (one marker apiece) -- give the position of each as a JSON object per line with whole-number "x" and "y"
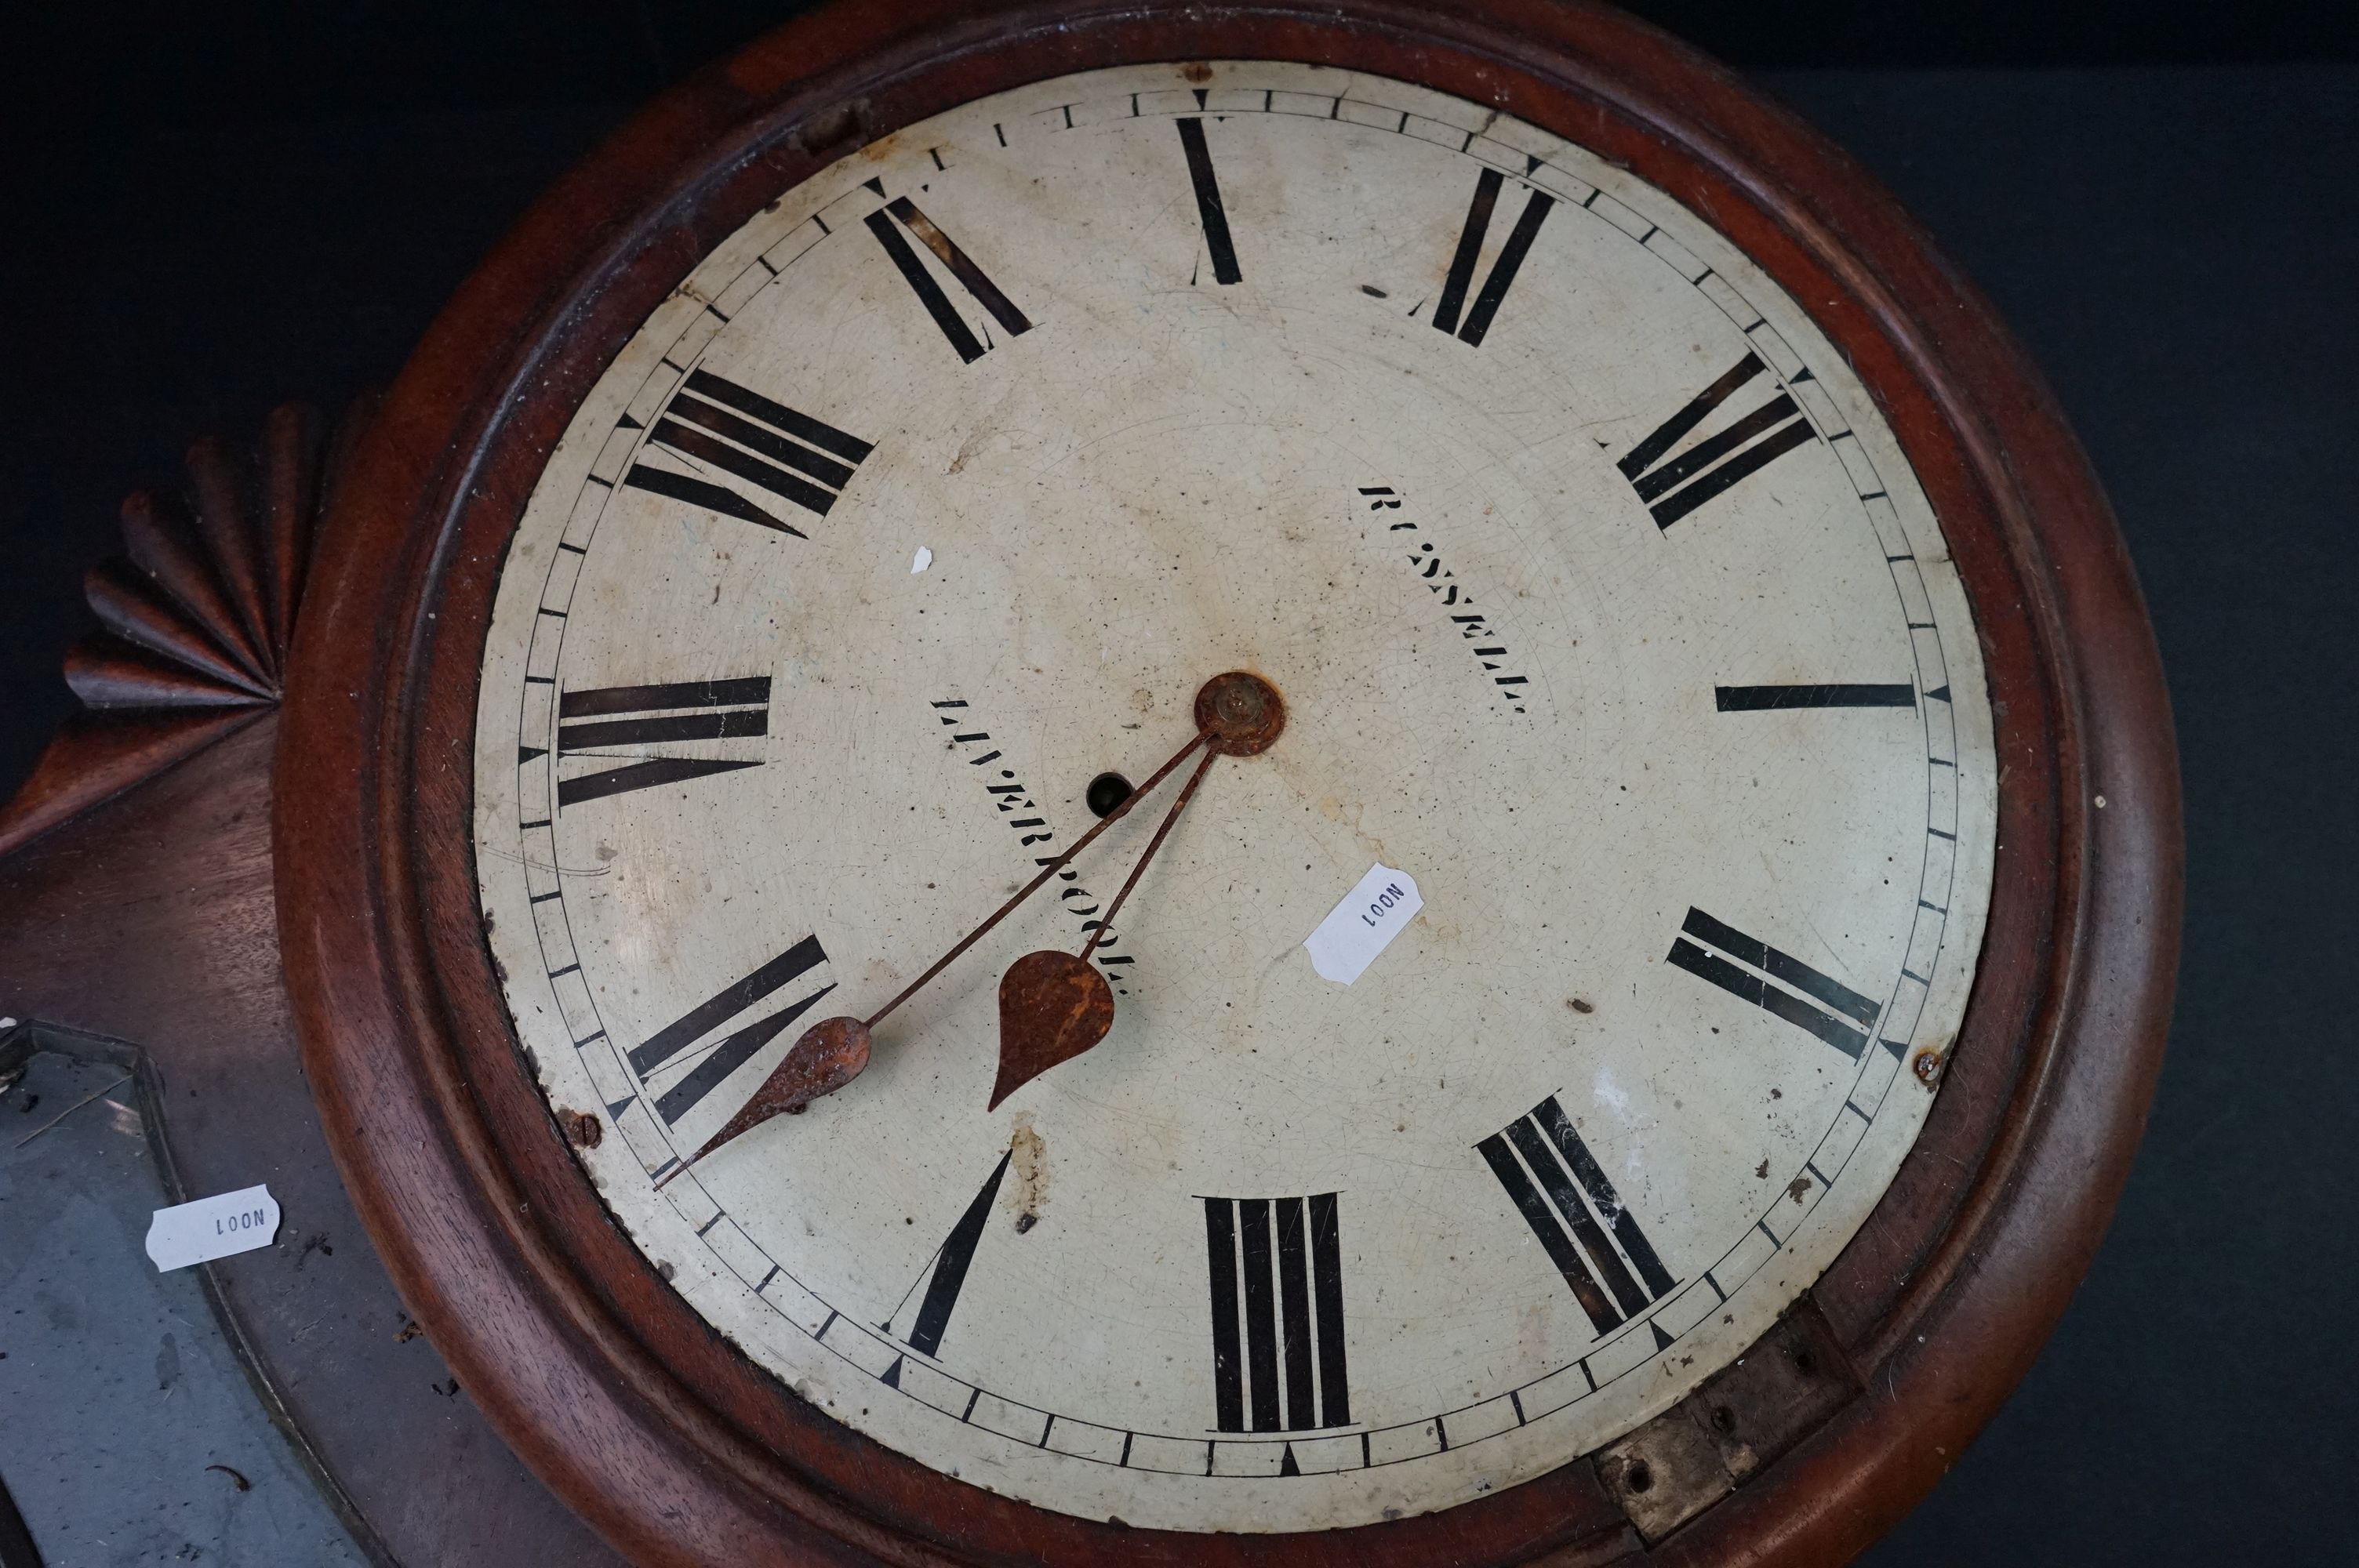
{"x": 213, "y": 1227}
{"x": 1377, "y": 909}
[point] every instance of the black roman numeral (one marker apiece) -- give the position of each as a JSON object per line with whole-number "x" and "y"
{"x": 962, "y": 267}
{"x": 718, "y": 424}
{"x": 1215, "y": 217}
{"x": 1769, "y": 698}
{"x": 1672, "y": 489}
{"x": 607, "y": 721}
{"x": 1748, "y": 983}
{"x": 1470, "y": 251}
{"x": 1548, "y": 1171}
{"x": 736, "y": 1049}
{"x": 949, "y": 1271}
{"x": 1276, "y": 1264}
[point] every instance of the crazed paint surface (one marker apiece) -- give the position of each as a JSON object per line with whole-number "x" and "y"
{"x": 1601, "y": 597}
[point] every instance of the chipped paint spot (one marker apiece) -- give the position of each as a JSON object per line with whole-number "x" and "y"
{"x": 1031, "y": 1167}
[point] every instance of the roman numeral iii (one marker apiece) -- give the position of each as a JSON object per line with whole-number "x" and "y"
{"x": 1561, "y": 1191}
{"x": 716, "y": 423}
{"x": 1674, "y": 486}
{"x": 1277, "y": 1274}
{"x": 663, "y": 1051}
{"x": 1470, "y": 251}
{"x": 1774, "y": 698}
{"x": 970, "y": 277}
{"x": 1752, "y": 970}
{"x": 610, "y": 722}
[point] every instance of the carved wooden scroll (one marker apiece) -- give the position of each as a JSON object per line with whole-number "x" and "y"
{"x": 198, "y": 617}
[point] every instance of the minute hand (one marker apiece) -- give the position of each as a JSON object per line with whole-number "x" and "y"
{"x": 834, "y": 1051}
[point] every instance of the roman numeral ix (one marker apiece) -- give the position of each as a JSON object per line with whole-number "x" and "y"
{"x": 1749, "y": 969}
{"x": 717, "y": 424}
{"x": 1470, "y": 251}
{"x": 611, "y": 721}
{"x": 1277, "y": 1270}
{"x": 664, "y": 1048}
{"x": 961, "y": 266}
{"x": 1674, "y": 486}
{"x": 1561, "y": 1191}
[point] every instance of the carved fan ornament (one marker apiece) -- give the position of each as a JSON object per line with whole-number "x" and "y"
{"x": 198, "y": 618}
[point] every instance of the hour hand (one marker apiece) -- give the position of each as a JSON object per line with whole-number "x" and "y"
{"x": 1053, "y": 1006}
{"x": 832, "y": 1052}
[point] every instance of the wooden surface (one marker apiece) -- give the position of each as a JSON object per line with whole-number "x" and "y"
{"x": 197, "y": 615}
{"x": 150, "y": 919}
{"x": 136, "y": 900}
{"x": 661, "y": 1435}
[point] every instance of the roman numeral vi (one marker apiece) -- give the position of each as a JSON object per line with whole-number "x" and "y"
{"x": 1674, "y": 486}
{"x": 1561, "y": 1191}
{"x": 1276, "y": 1266}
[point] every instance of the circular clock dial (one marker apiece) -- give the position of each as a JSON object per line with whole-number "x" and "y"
{"x": 1498, "y": 1051}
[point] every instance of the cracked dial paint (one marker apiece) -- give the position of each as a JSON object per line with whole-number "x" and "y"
{"x": 1605, "y": 608}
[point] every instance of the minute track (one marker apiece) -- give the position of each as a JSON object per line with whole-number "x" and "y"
{"x": 1518, "y": 1399}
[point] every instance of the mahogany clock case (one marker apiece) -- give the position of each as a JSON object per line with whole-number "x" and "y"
{"x": 594, "y": 1370}
{"x": 676, "y": 1448}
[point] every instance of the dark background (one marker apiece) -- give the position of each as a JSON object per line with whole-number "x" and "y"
{"x": 210, "y": 210}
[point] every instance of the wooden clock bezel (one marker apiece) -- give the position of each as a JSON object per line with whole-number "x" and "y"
{"x": 661, "y": 1433}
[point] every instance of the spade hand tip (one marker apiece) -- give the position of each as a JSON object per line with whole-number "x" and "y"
{"x": 1052, "y": 1007}
{"x": 830, "y": 1054}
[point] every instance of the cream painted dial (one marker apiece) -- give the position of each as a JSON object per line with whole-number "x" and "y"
{"x": 1606, "y": 612}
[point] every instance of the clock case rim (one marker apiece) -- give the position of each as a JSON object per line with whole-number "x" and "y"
{"x": 666, "y": 1438}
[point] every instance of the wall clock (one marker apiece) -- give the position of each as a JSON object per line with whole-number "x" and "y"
{"x": 1579, "y": 796}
